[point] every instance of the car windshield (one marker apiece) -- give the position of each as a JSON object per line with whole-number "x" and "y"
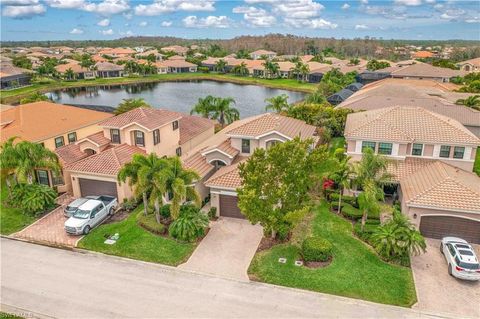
{"x": 470, "y": 266}
{"x": 82, "y": 214}
{"x": 465, "y": 252}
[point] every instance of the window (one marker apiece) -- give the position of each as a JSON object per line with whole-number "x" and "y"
{"x": 115, "y": 136}
{"x": 445, "y": 151}
{"x": 417, "y": 149}
{"x": 178, "y": 151}
{"x": 72, "y": 137}
{"x": 139, "y": 138}
{"x": 458, "y": 152}
{"x": 385, "y": 148}
{"x": 366, "y": 144}
{"x": 156, "y": 137}
{"x": 175, "y": 125}
{"x": 42, "y": 177}
{"x": 245, "y": 146}
{"x": 59, "y": 141}
{"x": 57, "y": 179}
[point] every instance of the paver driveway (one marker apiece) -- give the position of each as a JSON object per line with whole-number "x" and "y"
{"x": 439, "y": 292}
{"x": 227, "y": 250}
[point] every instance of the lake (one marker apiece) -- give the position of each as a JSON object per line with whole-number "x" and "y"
{"x": 177, "y": 96}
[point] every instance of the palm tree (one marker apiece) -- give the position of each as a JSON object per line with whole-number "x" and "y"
{"x": 471, "y": 101}
{"x": 220, "y": 66}
{"x": 304, "y": 71}
{"x": 277, "y": 103}
{"x": 240, "y": 69}
{"x": 372, "y": 167}
{"x": 24, "y": 157}
{"x": 368, "y": 199}
{"x": 271, "y": 68}
{"x": 69, "y": 74}
{"x": 204, "y": 106}
{"x": 131, "y": 66}
{"x": 223, "y": 112}
{"x": 342, "y": 177}
{"x": 130, "y": 104}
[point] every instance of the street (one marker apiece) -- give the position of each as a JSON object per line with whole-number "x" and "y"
{"x": 65, "y": 284}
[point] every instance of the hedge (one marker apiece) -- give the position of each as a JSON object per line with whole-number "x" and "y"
{"x": 369, "y": 229}
{"x": 352, "y": 200}
{"x": 316, "y": 249}
{"x": 149, "y": 223}
{"x": 351, "y": 212}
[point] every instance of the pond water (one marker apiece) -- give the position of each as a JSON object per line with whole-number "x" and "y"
{"x": 177, "y": 96}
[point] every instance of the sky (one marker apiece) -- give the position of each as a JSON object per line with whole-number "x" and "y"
{"x": 111, "y": 19}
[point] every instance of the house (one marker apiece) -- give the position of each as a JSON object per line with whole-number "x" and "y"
{"x": 217, "y": 159}
{"x": 177, "y": 49}
{"x": 431, "y": 156}
{"x": 140, "y": 131}
{"x": 472, "y": 65}
{"x": 53, "y": 125}
{"x": 339, "y": 97}
{"x": 108, "y": 70}
{"x": 259, "y": 54}
{"x": 423, "y": 71}
{"x": 117, "y": 52}
{"x": 12, "y": 77}
{"x": 143, "y": 55}
{"x": 422, "y": 55}
{"x": 79, "y": 71}
{"x": 179, "y": 66}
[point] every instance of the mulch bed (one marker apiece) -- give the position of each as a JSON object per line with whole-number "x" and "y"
{"x": 267, "y": 243}
{"x": 118, "y": 217}
{"x": 318, "y": 264}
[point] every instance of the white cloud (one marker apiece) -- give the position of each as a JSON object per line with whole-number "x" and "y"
{"x": 364, "y": 1}
{"x": 107, "y": 7}
{"x": 361, "y": 27}
{"x": 473, "y": 20}
{"x": 104, "y": 23}
{"x": 18, "y": 2}
{"x": 65, "y": 4}
{"x": 210, "y": 21}
{"x": 23, "y": 11}
{"x": 128, "y": 33}
{"x": 299, "y": 9}
{"x": 127, "y": 15}
{"x": 412, "y": 3}
{"x": 106, "y": 32}
{"x": 166, "y": 6}
{"x": 76, "y": 31}
{"x": 166, "y": 23}
{"x": 256, "y": 16}
{"x": 345, "y": 6}
{"x": 143, "y": 24}
{"x": 311, "y": 23}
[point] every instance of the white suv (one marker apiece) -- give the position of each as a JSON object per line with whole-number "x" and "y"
{"x": 461, "y": 259}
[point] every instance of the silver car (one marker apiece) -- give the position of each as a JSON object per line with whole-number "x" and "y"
{"x": 461, "y": 259}
{"x": 73, "y": 206}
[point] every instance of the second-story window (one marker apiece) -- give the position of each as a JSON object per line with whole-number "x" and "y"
{"x": 59, "y": 141}
{"x": 458, "y": 152}
{"x": 156, "y": 137}
{"x": 178, "y": 151}
{"x": 385, "y": 148}
{"x": 115, "y": 136}
{"x": 72, "y": 137}
{"x": 139, "y": 138}
{"x": 367, "y": 144}
{"x": 445, "y": 151}
{"x": 245, "y": 146}
{"x": 417, "y": 149}
{"x": 175, "y": 125}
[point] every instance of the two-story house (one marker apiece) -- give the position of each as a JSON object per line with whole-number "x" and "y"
{"x": 217, "y": 159}
{"x": 432, "y": 158}
{"x": 140, "y": 131}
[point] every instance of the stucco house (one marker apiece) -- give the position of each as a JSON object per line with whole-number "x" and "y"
{"x": 179, "y": 66}
{"x": 472, "y": 65}
{"x": 108, "y": 70}
{"x": 258, "y": 54}
{"x": 79, "y": 71}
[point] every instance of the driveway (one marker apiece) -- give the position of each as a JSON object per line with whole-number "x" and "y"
{"x": 49, "y": 229}
{"x": 439, "y": 292}
{"x": 227, "y": 250}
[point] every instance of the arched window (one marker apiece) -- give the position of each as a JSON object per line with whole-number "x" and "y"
{"x": 89, "y": 151}
{"x": 218, "y": 163}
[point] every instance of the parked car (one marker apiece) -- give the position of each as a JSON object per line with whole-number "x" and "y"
{"x": 90, "y": 214}
{"x": 73, "y": 206}
{"x": 461, "y": 259}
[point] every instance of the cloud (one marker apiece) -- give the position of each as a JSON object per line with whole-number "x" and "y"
{"x": 256, "y": 17}
{"x": 364, "y": 1}
{"x": 23, "y": 11}
{"x": 65, "y": 4}
{"x": 311, "y": 23}
{"x": 76, "y": 31}
{"x": 361, "y": 27}
{"x": 18, "y": 2}
{"x": 412, "y": 3}
{"x": 128, "y": 33}
{"x": 210, "y": 21}
{"x": 104, "y": 23}
{"x": 345, "y": 6}
{"x": 143, "y": 24}
{"x": 299, "y": 9}
{"x": 167, "y": 6}
{"x": 166, "y": 23}
{"x": 106, "y": 32}
{"x": 107, "y": 7}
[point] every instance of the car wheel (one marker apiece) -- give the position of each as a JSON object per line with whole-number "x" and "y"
{"x": 110, "y": 212}
{"x": 86, "y": 230}
{"x": 450, "y": 270}
{"x": 441, "y": 248}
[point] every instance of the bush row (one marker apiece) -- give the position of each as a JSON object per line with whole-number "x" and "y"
{"x": 149, "y": 223}
{"x": 352, "y": 200}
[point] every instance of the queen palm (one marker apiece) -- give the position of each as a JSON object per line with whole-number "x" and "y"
{"x": 372, "y": 167}
{"x": 204, "y": 106}
{"x": 271, "y": 68}
{"x": 368, "y": 199}
{"x": 342, "y": 177}
{"x": 471, "y": 101}
{"x": 220, "y": 65}
{"x": 304, "y": 71}
{"x": 223, "y": 112}
{"x": 69, "y": 74}
{"x": 240, "y": 69}
{"x": 130, "y": 104}
{"x": 277, "y": 103}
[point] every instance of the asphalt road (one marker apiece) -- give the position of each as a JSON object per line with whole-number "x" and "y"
{"x": 65, "y": 284}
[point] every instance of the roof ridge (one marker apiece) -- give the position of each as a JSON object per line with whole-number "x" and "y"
{"x": 456, "y": 181}
{"x": 433, "y": 185}
{"x": 444, "y": 118}
{"x": 382, "y": 112}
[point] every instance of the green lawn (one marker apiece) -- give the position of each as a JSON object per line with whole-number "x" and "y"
{"x": 137, "y": 243}
{"x": 356, "y": 271}
{"x": 12, "y": 219}
{"x": 15, "y": 95}
{"x": 476, "y": 164}
{"x": 4, "y": 315}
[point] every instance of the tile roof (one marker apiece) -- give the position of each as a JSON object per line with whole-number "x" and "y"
{"x": 107, "y": 66}
{"x": 178, "y": 64}
{"x": 426, "y": 70}
{"x": 41, "y": 120}
{"x": 272, "y": 122}
{"x": 70, "y": 153}
{"x": 407, "y": 124}
{"x": 475, "y": 62}
{"x": 198, "y": 163}
{"x": 98, "y": 138}
{"x": 108, "y": 162}
{"x": 191, "y": 126}
{"x": 399, "y": 169}
{"x": 75, "y": 66}
{"x": 225, "y": 177}
{"x": 224, "y": 147}
{"x": 442, "y": 186}
{"x": 149, "y": 118}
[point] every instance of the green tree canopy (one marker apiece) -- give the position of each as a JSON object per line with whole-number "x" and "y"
{"x": 34, "y": 97}
{"x": 278, "y": 103}
{"x": 130, "y": 104}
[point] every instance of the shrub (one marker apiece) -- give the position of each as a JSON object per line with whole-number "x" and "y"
{"x": 212, "y": 213}
{"x": 203, "y": 69}
{"x": 33, "y": 198}
{"x": 129, "y": 205}
{"x": 190, "y": 225}
{"x": 165, "y": 211}
{"x": 150, "y": 223}
{"x": 316, "y": 249}
{"x": 334, "y": 205}
{"x": 352, "y": 200}
{"x": 370, "y": 227}
{"x": 351, "y": 212}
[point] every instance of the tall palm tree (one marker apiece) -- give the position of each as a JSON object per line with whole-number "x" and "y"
{"x": 368, "y": 199}
{"x": 277, "y": 103}
{"x": 240, "y": 69}
{"x": 372, "y": 167}
{"x": 130, "y": 104}
{"x": 69, "y": 74}
{"x": 24, "y": 157}
{"x": 471, "y": 101}
{"x": 304, "y": 71}
{"x": 220, "y": 65}
{"x": 342, "y": 177}
{"x": 271, "y": 68}
{"x": 223, "y": 112}
{"x": 204, "y": 106}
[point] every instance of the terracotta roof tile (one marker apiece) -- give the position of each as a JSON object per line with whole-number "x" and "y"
{"x": 198, "y": 163}
{"x": 98, "y": 138}
{"x": 226, "y": 177}
{"x": 224, "y": 147}
{"x": 149, "y": 118}
{"x": 191, "y": 126}
{"x": 70, "y": 153}
{"x": 404, "y": 168}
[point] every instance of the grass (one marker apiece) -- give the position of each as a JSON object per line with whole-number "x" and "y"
{"x": 476, "y": 164}
{"x": 15, "y": 95}
{"x": 137, "y": 243}
{"x": 12, "y": 219}
{"x": 356, "y": 271}
{"x": 4, "y": 315}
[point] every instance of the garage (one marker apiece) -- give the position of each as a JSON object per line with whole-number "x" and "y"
{"x": 89, "y": 187}
{"x": 441, "y": 226}
{"x": 229, "y": 207}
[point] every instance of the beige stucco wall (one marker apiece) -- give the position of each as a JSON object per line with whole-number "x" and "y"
{"x": 428, "y": 150}
{"x": 402, "y": 149}
{"x": 189, "y": 145}
{"x": 81, "y": 133}
{"x": 123, "y": 190}
{"x": 218, "y": 156}
{"x": 274, "y": 136}
{"x": 86, "y": 144}
{"x": 237, "y": 143}
{"x": 351, "y": 144}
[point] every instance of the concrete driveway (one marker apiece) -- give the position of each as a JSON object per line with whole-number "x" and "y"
{"x": 437, "y": 291}
{"x": 227, "y": 250}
